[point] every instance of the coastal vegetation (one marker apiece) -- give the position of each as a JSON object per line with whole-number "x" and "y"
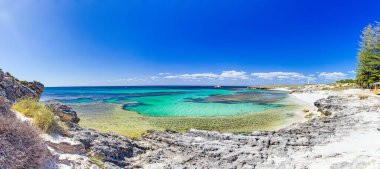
{"x": 368, "y": 71}
{"x": 346, "y": 81}
{"x": 42, "y": 116}
{"x": 21, "y": 146}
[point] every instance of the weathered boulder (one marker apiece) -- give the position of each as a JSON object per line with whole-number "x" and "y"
{"x": 329, "y": 105}
{"x": 110, "y": 147}
{"x": 1, "y": 75}
{"x": 64, "y": 112}
{"x": 4, "y": 108}
{"x": 67, "y": 147}
{"x": 13, "y": 89}
{"x": 108, "y": 165}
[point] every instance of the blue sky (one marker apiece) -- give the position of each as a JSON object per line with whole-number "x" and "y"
{"x": 182, "y": 42}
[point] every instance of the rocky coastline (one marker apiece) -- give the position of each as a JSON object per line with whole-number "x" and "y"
{"x": 345, "y": 119}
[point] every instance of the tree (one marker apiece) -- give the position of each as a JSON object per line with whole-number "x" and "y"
{"x": 368, "y": 71}
{"x": 346, "y": 81}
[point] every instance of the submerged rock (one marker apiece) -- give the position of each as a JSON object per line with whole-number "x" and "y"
{"x": 64, "y": 112}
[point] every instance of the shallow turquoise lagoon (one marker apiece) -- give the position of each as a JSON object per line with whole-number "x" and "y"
{"x": 172, "y": 100}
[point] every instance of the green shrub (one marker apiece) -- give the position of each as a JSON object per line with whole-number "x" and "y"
{"x": 346, "y": 81}
{"x": 27, "y": 106}
{"x": 44, "y": 119}
{"x": 310, "y": 115}
{"x": 23, "y": 82}
{"x": 95, "y": 159}
{"x": 42, "y": 116}
{"x": 363, "y": 97}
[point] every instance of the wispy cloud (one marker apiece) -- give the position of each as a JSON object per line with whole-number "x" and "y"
{"x": 232, "y": 74}
{"x": 281, "y": 76}
{"x": 154, "y": 77}
{"x": 332, "y": 75}
{"x": 161, "y": 74}
{"x": 193, "y": 76}
{"x": 125, "y": 80}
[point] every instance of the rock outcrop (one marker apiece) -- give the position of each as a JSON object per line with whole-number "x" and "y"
{"x": 5, "y": 107}
{"x": 111, "y": 148}
{"x": 76, "y": 149}
{"x": 330, "y": 105}
{"x": 14, "y": 89}
{"x": 64, "y": 112}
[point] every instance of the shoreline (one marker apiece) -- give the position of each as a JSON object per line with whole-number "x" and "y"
{"x": 324, "y": 141}
{"x": 301, "y": 102}
{"x": 112, "y": 118}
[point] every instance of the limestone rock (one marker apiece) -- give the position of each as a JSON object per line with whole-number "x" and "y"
{"x": 64, "y": 112}
{"x": 110, "y": 147}
{"x": 5, "y": 108}
{"x": 108, "y": 165}
{"x": 329, "y": 105}
{"x": 66, "y": 147}
{"x": 1, "y": 75}
{"x": 13, "y": 89}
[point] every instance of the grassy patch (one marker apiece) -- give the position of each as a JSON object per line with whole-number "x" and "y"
{"x": 44, "y": 119}
{"x": 95, "y": 159}
{"x": 42, "y": 116}
{"x": 363, "y": 97}
{"x": 27, "y": 106}
{"x": 310, "y": 115}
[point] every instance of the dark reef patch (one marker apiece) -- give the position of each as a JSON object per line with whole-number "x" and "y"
{"x": 78, "y": 100}
{"x": 256, "y": 97}
{"x": 132, "y": 104}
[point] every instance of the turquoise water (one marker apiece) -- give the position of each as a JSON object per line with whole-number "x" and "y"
{"x": 172, "y": 101}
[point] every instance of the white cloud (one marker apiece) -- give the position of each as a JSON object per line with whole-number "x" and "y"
{"x": 193, "y": 76}
{"x": 162, "y": 74}
{"x": 352, "y": 72}
{"x": 281, "y": 76}
{"x": 125, "y": 80}
{"x": 332, "y": 75}
{"x": 154, "y": 77}
{"x": 232, "y": 74}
